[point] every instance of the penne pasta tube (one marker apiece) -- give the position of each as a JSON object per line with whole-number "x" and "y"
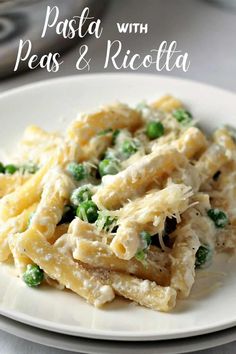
{"x": 12, "y": 226}
{"x": 30, "y": 192}
{"x": 99, "y": 255}
{"x": 117, "y": 189}
{"x": 191, "y": 142}
{"x": 39, "y": 154}
{"x": 37, "y": 145}
{"x": 183, "y": 260}
{"x": 143, "y": 292}
{"x": 96, "y": 146}
{"x": 111, "y": 117}
{"x": 226, "y": 239}
{"x": 9, "y": 183}
{"x": 34, "y": 134}
{"x": 167, "y": 103}
{"x": 210, "y": 162}
{"x": 56, "y": 193}
{"x": 62, "y": 268}
{"x": 82, "y": 229}
{"x": 187, "y": 175}
{"x": 223, "y": 137}
{"x": 20, "y": 260}
{"x": 200, "y": 222}
{"x": 171, "y": 200}
{"x": 153, "y": 208}
{"x": 59, "y": 231}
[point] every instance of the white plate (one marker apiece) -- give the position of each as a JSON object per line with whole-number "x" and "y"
{"x": 93, "y": 346}
{"x": 52, "y": 104}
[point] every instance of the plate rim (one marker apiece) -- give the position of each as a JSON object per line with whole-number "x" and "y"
{"x": 110, "y": 75}
{"x": 111, "y": 335}
{"x": 54, "y": 340}
{"x": 97, "y": 333}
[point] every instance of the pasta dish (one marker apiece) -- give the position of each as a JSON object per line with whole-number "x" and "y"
{"x": 127, "y": 201}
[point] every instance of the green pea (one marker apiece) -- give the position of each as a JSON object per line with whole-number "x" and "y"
{"x": 182, "y": 116}
{"x": 2, "y": 168}
{"x": 77, "y": 170}
{"x": 87, "y": 211}
{"x": 80, "y": 195}
{"x": 11, "y": 169}
{"x": 108, "y": 167}
{"x": 155, "y": 129}
{"x": 219, "y": 218}
{"x": 203, "y": 256}
{"x": 33, "y": 275}
{"x": 129, "y": 147}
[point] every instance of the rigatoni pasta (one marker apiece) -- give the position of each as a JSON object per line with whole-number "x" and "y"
{"x": 130, "y": 201}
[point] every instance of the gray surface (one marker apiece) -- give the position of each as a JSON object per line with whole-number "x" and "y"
{"x": 13, "y": 345}
{"x": 207, "y": 32}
